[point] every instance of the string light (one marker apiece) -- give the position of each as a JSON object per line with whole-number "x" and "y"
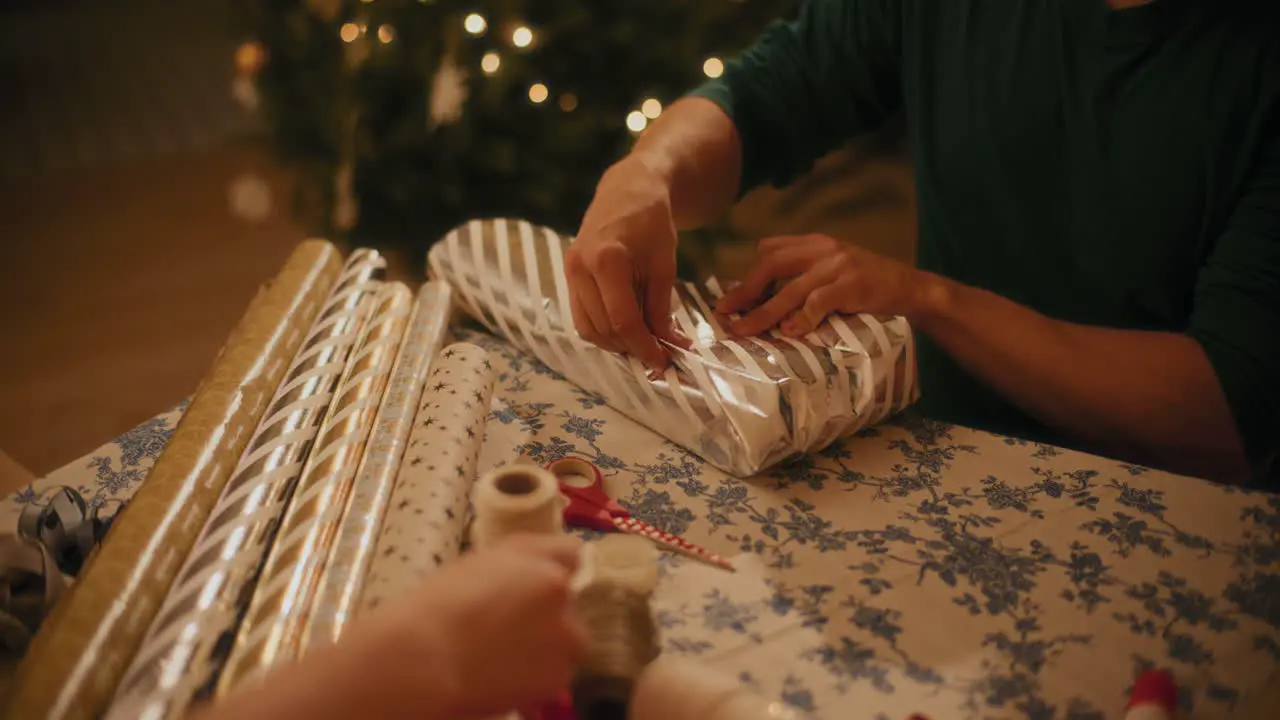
{"x": 386, "y": 33}
{"x": 490, "y": 63}
{"x": 349, "y": 32}
{"x": 636, "y": 121}
{"x": 713, "y": 67}
{"x": 538, "y": 92}
{"x": 651, "y": 108}
{"x": 250, "y": 57}
{"x": 475, "y": 24}
{"x": 568, "y": 102}
{"x": 521, "y": 37}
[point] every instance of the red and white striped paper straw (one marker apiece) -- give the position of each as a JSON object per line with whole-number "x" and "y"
{"x": 672, "y": 542}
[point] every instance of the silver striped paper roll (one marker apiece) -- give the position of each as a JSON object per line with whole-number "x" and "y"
{"x": 184, "y": 646}
{"x": 348, "y": 565}
{"x": 742, "y": 404}
{"x": 427, "y": 515}
{"x": 272, "y": 626}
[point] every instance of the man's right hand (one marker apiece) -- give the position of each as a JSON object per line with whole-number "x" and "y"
{"x": 622, "y": 266}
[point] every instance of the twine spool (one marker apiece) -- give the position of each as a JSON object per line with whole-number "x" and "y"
{"x": 624, "y": 559}
{"x": 516, "y": 499}
{"x": 676, "y": 689}
{"x": 623, "y": 640}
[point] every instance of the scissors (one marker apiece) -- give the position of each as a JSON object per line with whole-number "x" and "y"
{"x": 590, "y": 507}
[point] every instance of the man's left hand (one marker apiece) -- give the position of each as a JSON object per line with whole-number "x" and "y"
{"x": 822, "y": 276}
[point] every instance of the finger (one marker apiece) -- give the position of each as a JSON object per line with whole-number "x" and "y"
{"x": 589, "y": 311}
{"x": 784, "y": 263}
{"x": 563, "y": 550}
{"x": 821, "y": 303}
{"x": 790, "y": 298}
{"x": 576, "y": 639}
{"x": 813, "y": 245}
{"x": 616, "y": 283}
{"x": 657, "y": 310}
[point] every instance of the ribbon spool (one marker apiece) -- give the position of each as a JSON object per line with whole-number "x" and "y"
{"x": 622, "y": 559}
{"x": 516, "y": 499}
{"x": 66, "y": 526}
{"x": 30, "y": 585}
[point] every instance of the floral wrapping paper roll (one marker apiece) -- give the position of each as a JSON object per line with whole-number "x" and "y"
{"x": 84, "y": 646}
{"x": 742, "y": 404}
{"x": 428, "y": 512}
{"x": 185, "y": 645}
{"x": 272, "y": 626}
{"x": 348, "y": 565}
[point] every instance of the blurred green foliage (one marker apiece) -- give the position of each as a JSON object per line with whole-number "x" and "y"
{"x": 349, "y": 83}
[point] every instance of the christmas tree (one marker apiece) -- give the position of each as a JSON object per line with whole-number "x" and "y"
{"x": 408, "y": 117}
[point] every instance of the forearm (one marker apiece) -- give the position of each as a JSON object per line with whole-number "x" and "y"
{"x": 695, "y": 148}
{"x": 1146, "y": 392}
{"x": 377, "y": 674}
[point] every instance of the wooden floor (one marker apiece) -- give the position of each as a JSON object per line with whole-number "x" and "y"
{"x": 119, "y": 287}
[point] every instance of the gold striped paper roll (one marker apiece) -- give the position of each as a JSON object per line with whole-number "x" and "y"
{"x": 348, "y": 565}
{"x": 72, "y": 668}
{"x": 185, "y": 645}
{"x": 272, "y": 626}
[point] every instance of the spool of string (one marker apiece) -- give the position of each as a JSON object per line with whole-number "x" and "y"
{"x": 623, "y": 640}
{"x": 515, "y": 499}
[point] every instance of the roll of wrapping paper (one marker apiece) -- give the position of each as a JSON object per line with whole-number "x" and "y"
{"x": 272, "y": 626}
{"x": 344, "y": 574}
{"x": 742, "y": 404}
{"x": 427, "y": 515}
{"x": 72, "y": 668}
{"x": 186, "y": 643}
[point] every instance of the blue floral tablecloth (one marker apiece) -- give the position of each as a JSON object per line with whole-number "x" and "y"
{"x": 918, "y": 567}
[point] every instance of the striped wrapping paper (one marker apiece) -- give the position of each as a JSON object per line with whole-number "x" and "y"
{"x": 85, "y": 645}
{"x": 348, "y": 565}
{"x": 272, "y": 626}
{"x": 186, "y": 643}
{"x": 743, "y": 405}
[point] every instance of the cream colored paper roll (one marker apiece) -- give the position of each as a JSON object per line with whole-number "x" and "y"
{"x": 83, "y": 648}
{"x": 273, "y": 624}
{"x": 426, "y": 518}
{"x": 348, "y": 565}
{"x": 516, "y": 499}
{"x": 672, "y": 688}
{"x": 183, "y": 649}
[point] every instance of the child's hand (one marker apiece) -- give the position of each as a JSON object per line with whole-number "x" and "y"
{"x": 822, "y": 276}
{"x": 494, "y": 631}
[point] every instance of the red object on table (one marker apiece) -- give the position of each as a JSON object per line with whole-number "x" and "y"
{"x": 590, "y": 507}
{"x": 1154, "y": 697}
{"x": 559, "y": 709}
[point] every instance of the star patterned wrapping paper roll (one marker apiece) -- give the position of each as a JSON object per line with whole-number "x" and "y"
{"x": 428, "y": 512}
{"x": 271, "y": 630}
{"x": 72, "y": 668}
{"x": 185, "y": 645}
{"x": 348, "y": 565}
{"x": 742, "y": 404}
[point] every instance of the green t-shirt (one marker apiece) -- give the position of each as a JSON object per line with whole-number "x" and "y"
{"x": 1116, "y": 168}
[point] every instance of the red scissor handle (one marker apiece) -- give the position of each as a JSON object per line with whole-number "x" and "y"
{"x": 589, "y": 506}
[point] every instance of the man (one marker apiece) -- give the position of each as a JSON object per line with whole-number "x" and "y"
{"x": 1099, "y": 197}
